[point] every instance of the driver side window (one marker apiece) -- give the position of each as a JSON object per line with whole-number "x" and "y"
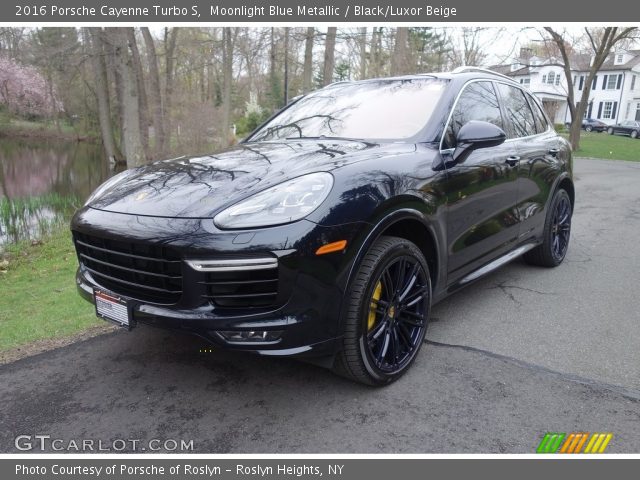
{"x": 478, "y": 101}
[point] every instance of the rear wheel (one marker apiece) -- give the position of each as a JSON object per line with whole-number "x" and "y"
{"x": 634, "y": 134}
{"x": 557, "y": 231}
{"x": 589, "y": 128}
{"x": 610, "y": 131}
{"x": 386, "y": 313}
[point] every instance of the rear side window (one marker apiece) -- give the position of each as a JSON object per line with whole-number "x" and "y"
{"x": 517, "y": 111}
{"x": 541, "y": 121}
{"x": 478, "y": 101}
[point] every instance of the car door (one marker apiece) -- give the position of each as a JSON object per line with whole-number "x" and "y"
{"x": 481, "y": 190}
{"x": 622, "y": 128}
{"x": 538, "y": 148}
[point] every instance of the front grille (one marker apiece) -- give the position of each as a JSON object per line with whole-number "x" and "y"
{"x": 144, "y": 272}
{"x": 242, "y": 288}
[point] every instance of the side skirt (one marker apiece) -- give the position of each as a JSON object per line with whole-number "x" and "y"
{"x": 489, "y": 267}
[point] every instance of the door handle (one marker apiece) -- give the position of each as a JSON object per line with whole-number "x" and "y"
{"x": 554, "y": 151}
{"x": 512, "y": 160}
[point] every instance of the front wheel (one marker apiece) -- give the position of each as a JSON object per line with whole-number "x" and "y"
{"x": 589, "y": 128}
{"x": 557, "y": 231}
{"x": 386, "y": 313}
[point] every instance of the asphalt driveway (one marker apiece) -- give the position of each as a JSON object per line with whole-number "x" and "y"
{"x": 521, "y": 352}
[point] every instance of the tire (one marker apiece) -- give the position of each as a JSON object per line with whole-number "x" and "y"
{"x": 385, "y": 319}
{"x": 634, "y": 134}
{"x": 610, "y": 131}
{"x": 556, "y": 235}
{"x": 588, "y": 128}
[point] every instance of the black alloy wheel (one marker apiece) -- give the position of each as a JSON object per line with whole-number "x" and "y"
{"x": 557, "y": 232}
{"x": 561, "y": 228}
{"x": 387, "y": 313}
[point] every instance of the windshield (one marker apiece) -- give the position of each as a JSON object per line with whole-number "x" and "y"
{"x": 380, "y": 110}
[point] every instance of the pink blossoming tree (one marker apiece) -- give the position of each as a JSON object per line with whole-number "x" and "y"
{"x": 24, "y": 91}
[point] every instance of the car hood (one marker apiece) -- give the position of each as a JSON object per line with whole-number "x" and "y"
{"x": 200, "y": 187}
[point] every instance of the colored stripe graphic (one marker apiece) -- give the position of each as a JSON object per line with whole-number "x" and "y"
{"x": 550, "y": 442}
{"x": 581, "y": 442}
{"x": 573, "y": 442}
{"x": 598, "y": 443}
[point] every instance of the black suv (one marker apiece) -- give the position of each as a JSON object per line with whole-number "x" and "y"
{"x": 332, "y": 229}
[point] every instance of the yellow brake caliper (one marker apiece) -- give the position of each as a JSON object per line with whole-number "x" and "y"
{"x": 374, "y": 304}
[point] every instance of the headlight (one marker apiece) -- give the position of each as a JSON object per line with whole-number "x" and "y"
{"x": 283, "y": 203}
{"x": 102, "y": 189}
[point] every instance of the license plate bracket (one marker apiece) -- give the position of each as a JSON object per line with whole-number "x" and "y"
{"x": 113, "y": 308}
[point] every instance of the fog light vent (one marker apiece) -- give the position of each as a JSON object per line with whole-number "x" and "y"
{"x": 251, "y": 336}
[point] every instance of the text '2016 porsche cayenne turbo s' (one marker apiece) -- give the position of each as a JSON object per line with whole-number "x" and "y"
{"x": 331, "y": 230}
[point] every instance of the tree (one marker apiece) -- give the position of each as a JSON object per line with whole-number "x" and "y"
{"x": 143, "y": 104}
{"x": 400, "y": 61}
{"x": 601, "y": 42}
{"x": 362, "y": 47}
{"x": 468, "y": 45}
{"x": 102, "y": 95}
{"x": 130, "y": 127}
{"x": 329, "y": 56}
{"x": 286, "y": 66}
{"x": 155, "y": 95}
{"x": 307, "y": 72}
{"x": 56, "y": 49}
{"x": 170, "y": 40}
{"x": 228, "y": 38}
{"x": 26, "y": 92}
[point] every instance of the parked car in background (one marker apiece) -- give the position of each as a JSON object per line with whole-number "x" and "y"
{"x": 630, "y": 127}
{"x": 332, "y": 229}
{"x": 593, "y": 125}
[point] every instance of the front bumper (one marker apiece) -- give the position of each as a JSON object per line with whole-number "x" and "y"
{"x": 303, "y": 322}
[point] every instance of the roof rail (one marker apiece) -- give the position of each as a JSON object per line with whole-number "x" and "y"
{"x": 479, "y": 69}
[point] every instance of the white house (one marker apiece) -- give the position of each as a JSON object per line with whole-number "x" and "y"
{"x": 615, "y": 92}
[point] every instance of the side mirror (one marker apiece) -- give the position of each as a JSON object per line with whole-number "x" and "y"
{"x": 474, "y": 135}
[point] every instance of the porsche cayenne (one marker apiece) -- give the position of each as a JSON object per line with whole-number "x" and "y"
{"x": 330, "y": 231}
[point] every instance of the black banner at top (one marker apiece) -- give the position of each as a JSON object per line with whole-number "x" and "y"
{"x": 316, "y": 11}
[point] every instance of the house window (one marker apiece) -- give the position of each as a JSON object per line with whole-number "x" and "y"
{"x": 612, "y": 81}
{"x": 527, "y": 82}
{"x": 551, "y": 78}
{"x": 581, "y": 82}
{"x": 544, "y": 78}
{"x": 626, "y": 113}
{"x": 557, "y": 79}
{"x": 620, "y": 58}
{"x": 633, "y": 82}
{"x": 607, "y": 110}
{"x": 638, "y": 111}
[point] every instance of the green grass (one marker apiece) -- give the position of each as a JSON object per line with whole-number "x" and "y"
{"x": 47, "y": 125}
{"x": 38, "y": 297}
{"x": 34, "y": 217}
{"x": 614, "y": 147}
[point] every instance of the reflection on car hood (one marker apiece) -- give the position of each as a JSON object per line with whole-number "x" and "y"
{"x": 200, "y": 187}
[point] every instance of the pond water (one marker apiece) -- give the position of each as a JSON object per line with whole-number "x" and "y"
{"x": 43, "y": 181}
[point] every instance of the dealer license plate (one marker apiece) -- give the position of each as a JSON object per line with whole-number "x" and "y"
{"x": 112, "y": 307}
